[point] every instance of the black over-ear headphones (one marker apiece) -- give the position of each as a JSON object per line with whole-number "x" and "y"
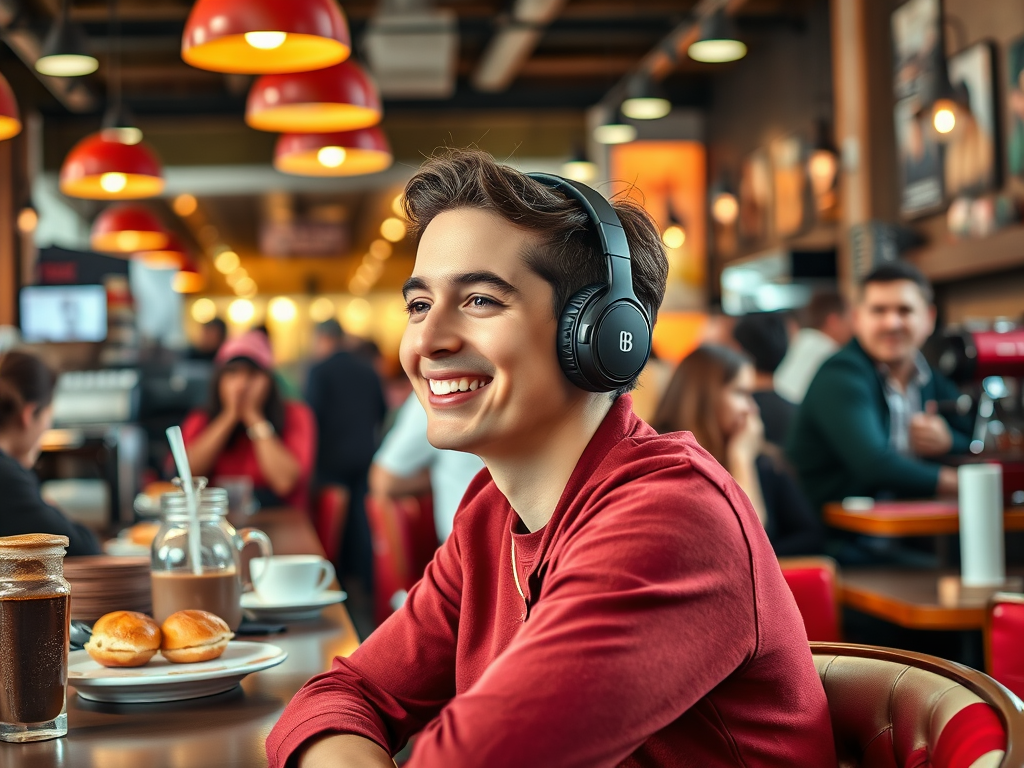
{"x": 604, "y": 332}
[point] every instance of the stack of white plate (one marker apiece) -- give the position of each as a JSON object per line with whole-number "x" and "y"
{"x": 103, "y": 584}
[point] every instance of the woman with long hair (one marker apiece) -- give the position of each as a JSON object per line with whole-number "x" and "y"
{"x": 710, "y": 395}
{"x": 26, "y": 411}
{"x": 248, "y": 429}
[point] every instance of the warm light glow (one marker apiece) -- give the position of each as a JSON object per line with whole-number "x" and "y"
{"x": 128, "y": 241}
{"x": 241, "y": 311}
{"x": 674, "y": 236}
{"x": 717, "y": 51}
{"x": 944, "y": 120}
{"x": 28, "y": 220}
{"x": 113, "y": 182}
{"x": 321, "y": 310}
{"x": 185, "y": 205}
{"x": 357, "y": 316}
{"x": 246, "y": 287}
{"x": 358, "y": 286}
{"x": 392, "y": 229}
{"x": 380, "y": 249}
{"x": 646, "y": 108}
{"x": 282, "y": 309}
{"x": 614, "y": 133}
{"x": 725, "y": 209}
{"x": 236, "y": 276}
{"x": 580, "y": 170}
{"x": 397, "y": 207}
{"x": 822, "y": 168}
{"x": 266, "y": 41}
{"x": 67, "y": 65}
{"x": 227, "y": 262}
{"x": 204, "y": 310}
{"x": 187, "y": 281}
{"x": 125, "y": 135}
{"x": 331, "y": 157}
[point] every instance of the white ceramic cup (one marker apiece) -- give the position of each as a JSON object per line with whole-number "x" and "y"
{"x": 290, "y": 579}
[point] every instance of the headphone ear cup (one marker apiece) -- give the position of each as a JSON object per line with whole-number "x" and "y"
{"x": 567, "y": 349}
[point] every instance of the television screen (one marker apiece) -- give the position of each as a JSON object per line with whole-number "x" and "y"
{"x": 63, "y": 313}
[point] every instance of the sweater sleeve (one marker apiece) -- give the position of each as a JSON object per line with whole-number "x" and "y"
{"x": 395, "y": 682}
{"x": 641, "y": 594}
{"x": 844, "y": 412}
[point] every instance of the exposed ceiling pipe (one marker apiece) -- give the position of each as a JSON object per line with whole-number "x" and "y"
{"x": 664, "y": 57}
{"x": 69, "y": 91}
{"x": 513, "y": 43}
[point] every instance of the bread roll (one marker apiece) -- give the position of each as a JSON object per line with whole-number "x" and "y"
{"x": 190, "y": 636}
{"x": 124, "y": 639}
{"x": 143, "y": 533}
{"x": 158, "y": 489}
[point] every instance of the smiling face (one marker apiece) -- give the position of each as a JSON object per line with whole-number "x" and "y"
{"x": 480, "y": 344}
{"x": 893, "y": 320}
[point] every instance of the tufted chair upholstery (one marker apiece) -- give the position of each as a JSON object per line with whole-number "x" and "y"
{"x": 896, "y": 709}
{"x": 1004, "y": 640}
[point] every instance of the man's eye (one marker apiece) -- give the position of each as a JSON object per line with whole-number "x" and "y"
{"x": 416, "y": 307}
{"x": 482, "y": 301}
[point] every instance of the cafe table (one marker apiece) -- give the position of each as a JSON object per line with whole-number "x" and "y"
{"x": 217, "y": 731}
{"x": 909, "y": 518}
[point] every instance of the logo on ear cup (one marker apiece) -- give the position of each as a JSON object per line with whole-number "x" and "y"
{"x": 625, "y": 341}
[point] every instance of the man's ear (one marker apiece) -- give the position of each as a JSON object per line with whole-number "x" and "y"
{"x": 28, "y": 415}
{"x": 932, "y": 314}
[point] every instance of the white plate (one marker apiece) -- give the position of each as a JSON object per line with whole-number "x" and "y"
{"x": 123, "y": 548}
{"x": 160, "y": 680}
{"x": 309, "y": 608}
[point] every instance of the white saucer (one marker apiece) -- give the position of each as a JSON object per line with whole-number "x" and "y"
{"x": 308, "y": 608}
{"x": 160, "y": 680}
{"x": 124, "y": 548}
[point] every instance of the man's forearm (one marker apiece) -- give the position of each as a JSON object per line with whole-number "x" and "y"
{"x": 343, "y": 751}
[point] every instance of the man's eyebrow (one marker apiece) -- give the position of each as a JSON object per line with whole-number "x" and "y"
{"x": 466, "y": 278}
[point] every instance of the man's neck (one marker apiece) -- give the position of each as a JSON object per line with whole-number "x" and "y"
{"x": 533, "y": 479}
{"x": 903, "y": 371}
{"x": 763, "y": 382}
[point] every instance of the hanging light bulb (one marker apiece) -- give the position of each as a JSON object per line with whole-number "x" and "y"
{"x": 674, "y": 234}
{"x": 718, "y": 42}
{"x": 127, "y": 229}
{"x": 255, "y": 37}
{"x": 98, "y": 168}
{"x": 173, "y": 255}
{"x": 10, "y": 118}
{"x": 823, "y": 164}
{"x": 65, "y": 52}
{"x": 615, "y": 131}
{"x": 579, "y": 168}
{"x": 645, "y": 101}
{"x": 724, "y": 208}
{"x": 348, "y": 153}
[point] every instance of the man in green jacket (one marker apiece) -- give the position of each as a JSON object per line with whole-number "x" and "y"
{"x": 869, "y": 424}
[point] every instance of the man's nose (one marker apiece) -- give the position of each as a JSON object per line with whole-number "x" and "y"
{"x": 437, "y": 334}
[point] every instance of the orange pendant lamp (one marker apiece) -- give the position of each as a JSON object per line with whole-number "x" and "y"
{"x": 256, "y": 37}
{"x": 10, "y": 120}
{"x": 173, "y": 255}
{"x": 101, "y": 168}
{"x": 188, "y": 279}
{"x": 127, "y": 229}
{"x": 347, "y": 153}
{"x": 338, "y": 98}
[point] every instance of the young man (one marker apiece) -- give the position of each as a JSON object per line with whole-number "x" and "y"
{"x": 607, "y": 596}
{"x": 869, "y": 425}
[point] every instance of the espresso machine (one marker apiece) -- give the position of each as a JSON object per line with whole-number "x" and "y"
{"x": 988, "y": 364}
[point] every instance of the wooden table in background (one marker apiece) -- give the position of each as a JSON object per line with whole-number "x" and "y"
{"x": 919, "y": 519}
{"x": 217, "y": 731}
{"x": 910, "y": 598}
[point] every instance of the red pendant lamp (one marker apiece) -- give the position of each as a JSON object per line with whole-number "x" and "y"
{"x": 347, "y": 153}
{"x": 173, "y": 255}
{"x": 338, "y": 98}
{"x": 255, "y": 37}
{"x": 188, "y": 279}
{"x": 99, "y": 168}
{"x": 10, "y": 120}
{"x": 127, "y": 229}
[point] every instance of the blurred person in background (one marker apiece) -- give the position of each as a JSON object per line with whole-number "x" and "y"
{"x": 869, "y": 424}
{"x": 764, "y": 336}
{"x": 408, "y": 465}
{"x": 26, "y": 412}
{"x": 346, "y": 396}
{"x": 711, "y": 395}
{"x": 249, "y": 429}
{"x": 828, "y": 327}
{"x": 211, "y": 336}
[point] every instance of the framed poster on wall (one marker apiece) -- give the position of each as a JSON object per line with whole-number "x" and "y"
{"x": 971, "y": 159}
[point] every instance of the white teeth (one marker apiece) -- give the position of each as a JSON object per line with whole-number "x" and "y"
{"x": 447, "y": 386}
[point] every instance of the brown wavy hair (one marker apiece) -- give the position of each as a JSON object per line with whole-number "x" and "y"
{"x": 693, "y": 394}
{"x": 24, "y": 380}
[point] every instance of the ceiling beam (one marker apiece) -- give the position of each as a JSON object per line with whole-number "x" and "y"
{"x": 513, "y": 43}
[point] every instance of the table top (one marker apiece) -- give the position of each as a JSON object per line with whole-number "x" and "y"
{"x": 909, "y": 518}
{"x": 910, "y": 598}
{"x": 224, "y": 730}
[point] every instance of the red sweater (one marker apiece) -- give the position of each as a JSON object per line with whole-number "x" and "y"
{"x": 657, "y": 631}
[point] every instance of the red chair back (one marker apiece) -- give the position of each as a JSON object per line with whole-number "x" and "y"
{"x": 329, "y": 514}
{"x": 815, "y": 586}
{"x": 422, "y": 532}
{"x": 1004, "y": 641}
{"x": 393, "y": 570}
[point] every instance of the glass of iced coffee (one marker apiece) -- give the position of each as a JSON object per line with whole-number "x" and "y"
{"x": 215, "y": 585}
{"x": 35, "y": 617}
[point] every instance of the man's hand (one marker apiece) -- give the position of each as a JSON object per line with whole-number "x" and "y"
{"x": 929, "y": 433}
{"x": 343, "y": 751}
